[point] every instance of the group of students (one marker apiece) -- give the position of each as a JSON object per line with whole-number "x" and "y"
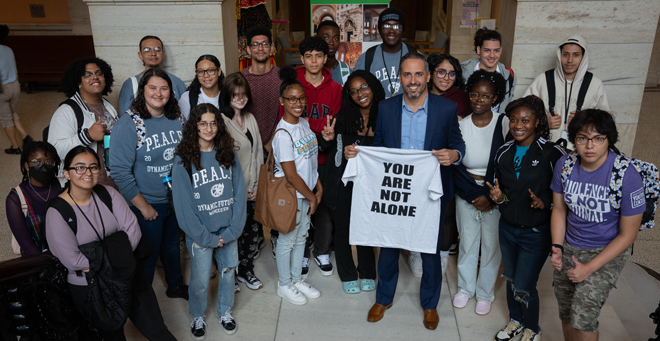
{"x": 190, "y": 159}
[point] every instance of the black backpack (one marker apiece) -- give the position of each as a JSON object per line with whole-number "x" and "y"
{"x": 550, "y": 83}
{"x": 79, "y": 117}
{"x": 369, "y": 58}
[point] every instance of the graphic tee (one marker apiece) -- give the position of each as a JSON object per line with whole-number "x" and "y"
{"x": 304, "y": 152}
{"x": 592, "y": 221}
{"x": 396, "y": 196}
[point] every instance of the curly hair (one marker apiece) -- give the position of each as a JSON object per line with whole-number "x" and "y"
{"x": 536, "y": 106}
{"x": 496, "y": 81}
{"x": 289, "y": 77}
{"x": 74, "y": 73}
{"x": 600, "y": 120}
{"x": 195, "y": 86}
{"x": 484, "y": 34}
{"x": 259, "y": 30}
{"x": 436, "y": 59}
{"x": 313, "y": 43}
{"x": 188, "y": 148}
{"x": 29, "y": 147}
{"x": 139, "y": 105}
{"x": 233, "y": 82}
{"x": 349, "y": 116}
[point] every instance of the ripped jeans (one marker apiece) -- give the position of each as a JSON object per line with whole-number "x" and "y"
{"x": 524, "y": 251}
{"x": 201, "y": 261}
{"x": 291, "y": 247}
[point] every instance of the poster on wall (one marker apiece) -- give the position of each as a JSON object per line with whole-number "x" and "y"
{"x": 357, "y": 21}
{"x": 469, "y": 12}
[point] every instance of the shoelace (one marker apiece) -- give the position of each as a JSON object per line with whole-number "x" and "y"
{"x": 324, "y": 259}
{"x": 511, "y": 327}
{"x": 304, "y": 284}
{"x": 198, "y": 323}
{"x": 527, "y": 334}
{"x": 227, "y": 317}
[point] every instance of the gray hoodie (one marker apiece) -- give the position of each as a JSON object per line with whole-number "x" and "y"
{"x": 595, "y": 98}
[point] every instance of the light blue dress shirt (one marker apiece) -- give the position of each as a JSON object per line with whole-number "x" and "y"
{"x": 413, "y": 125}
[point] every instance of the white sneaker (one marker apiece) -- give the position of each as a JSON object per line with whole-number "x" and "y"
{"x": 307, "y": 290}
{"x": 323, "y": 261}
{"x": 444, "y": 261}
{"x": 529, "y": 335}
{"x": 291, "y": 294}
{"x": 415, "y": 262}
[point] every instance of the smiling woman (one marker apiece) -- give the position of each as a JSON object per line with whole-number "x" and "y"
{"x": 205, "y": 87}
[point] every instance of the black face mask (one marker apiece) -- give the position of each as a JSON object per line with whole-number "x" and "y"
{"x": 43, "y": 174}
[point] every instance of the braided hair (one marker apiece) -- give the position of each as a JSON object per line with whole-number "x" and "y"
{"x": 30, "y": 146}
{"x": 536, "y": 106}
{"x": 195, "y": 86}
{"x": 496, "y": 81}
{"x": 349, "y": 116}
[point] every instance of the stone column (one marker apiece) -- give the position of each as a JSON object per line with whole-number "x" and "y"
{"x": 187, "y": 28}
{"x": 620, "y": 37}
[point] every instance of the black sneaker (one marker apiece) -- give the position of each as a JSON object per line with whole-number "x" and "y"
{"x": 198, "y": 329}
{"x": 180, "y": 292}
{"x": 250, "y": 280}
{"x": 511, "y": 330}
{"x": 324, "y": 264}
{"x": 11, "y": 150}
{"x": 305, "y": 268}
{"x": 228, "y": 323}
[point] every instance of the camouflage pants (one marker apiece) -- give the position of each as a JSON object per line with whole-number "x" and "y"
{"x": 580, "y": 303}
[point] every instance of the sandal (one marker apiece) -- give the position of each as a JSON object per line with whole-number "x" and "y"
{"x": 367, "y": 284}
{"x": 351, "y": 287}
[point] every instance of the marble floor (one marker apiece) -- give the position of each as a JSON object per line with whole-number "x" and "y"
{"x": 262, "y": 315}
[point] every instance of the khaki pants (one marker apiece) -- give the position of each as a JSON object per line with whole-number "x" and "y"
{"x": 8, "y": 99}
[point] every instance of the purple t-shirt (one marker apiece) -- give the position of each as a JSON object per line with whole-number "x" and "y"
{"x": 592, "y": 221}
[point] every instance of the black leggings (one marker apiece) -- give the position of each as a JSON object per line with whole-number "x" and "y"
{"x": 248, "y": 241}
{"x": 145, "y": 315}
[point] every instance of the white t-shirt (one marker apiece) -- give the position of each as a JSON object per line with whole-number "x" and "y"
{"x": 184, "y": 101}
{"x": 478, "y": 141}
{"x": 304, "y": 152}
{"x": 396, "y": 196}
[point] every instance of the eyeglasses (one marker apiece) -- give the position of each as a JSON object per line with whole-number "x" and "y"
{"x": 292, "y": 100}
{"x": 155, "y": 49}
{"x": 597, "y": 141}
{"x": 361, "y": 89}
{"x": 442, "y": 73}
{"x": 204, "y": 125}
{"x": 395, "y": 27}
{"x": 88, "y": 74}
{"x": 263, "y": 44}
{"x": 80, "y": 170}
{"x": 37, "y": 163}
{"x": 475, "y": 95}
{"x": 211, "y": 71}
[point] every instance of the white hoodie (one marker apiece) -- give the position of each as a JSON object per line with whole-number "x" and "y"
{"x": 595, "y": 98}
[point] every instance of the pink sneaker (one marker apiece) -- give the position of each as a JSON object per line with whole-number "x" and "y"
{"x": 460, "y": 300}
{"x": 483, "y": 307}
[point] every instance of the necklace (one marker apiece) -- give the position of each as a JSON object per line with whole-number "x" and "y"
{"x": 40, "y": 197}
{"x": 392, "y": 91}
{"x": 236, "y": 119}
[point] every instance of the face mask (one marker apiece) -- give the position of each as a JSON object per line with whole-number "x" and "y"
{"x": 43, "y": 174}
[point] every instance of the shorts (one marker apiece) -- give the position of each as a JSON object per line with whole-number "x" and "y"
{"x": 580, "y": 303}
{"x": 8, "y": 99}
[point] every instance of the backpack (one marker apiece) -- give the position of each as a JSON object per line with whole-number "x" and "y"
{"x": 369, "y": 58}
{"x": 76, "y": 110}
{"x": 650, "y": 178}
{"x": 510, "y": 80}
{"x": 550, "y": 83}
{"x": 193, "y": 98}
{"x": 37, "y": 236}
{"x": 141, "y": 129}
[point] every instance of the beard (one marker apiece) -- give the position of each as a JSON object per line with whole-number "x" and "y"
{"x": 420, "y": 90}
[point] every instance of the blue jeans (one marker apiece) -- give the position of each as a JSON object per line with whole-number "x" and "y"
{"x": 162, "y": 235}
{"x": 524, "y": 251}
{"x": 201, "y": 261}
{"x": 291, "y": 247}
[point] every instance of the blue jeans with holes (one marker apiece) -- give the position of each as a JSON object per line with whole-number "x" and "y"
{"x": 162, "y": 235}
{"x": 291, "y": 247}
{"x": 201, "y": 261}
{"x": 524, "y": 251}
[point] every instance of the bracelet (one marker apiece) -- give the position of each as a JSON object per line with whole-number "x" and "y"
{"x": 560, "y": 247}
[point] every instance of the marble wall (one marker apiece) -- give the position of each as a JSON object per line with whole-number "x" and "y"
{"x": 620, "y": 36}
{"x": 188, "y": 29}
{"x": 653, "y": 77}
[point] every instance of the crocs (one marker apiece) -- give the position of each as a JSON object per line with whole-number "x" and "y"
{"x": 351, "y": 287}
{"x": 367, "y": 284}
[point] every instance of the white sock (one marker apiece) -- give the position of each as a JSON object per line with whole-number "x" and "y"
{"x": 444, "y": 253}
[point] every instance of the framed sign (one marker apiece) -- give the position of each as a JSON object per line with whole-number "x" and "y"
{"x": 357, "y": 21}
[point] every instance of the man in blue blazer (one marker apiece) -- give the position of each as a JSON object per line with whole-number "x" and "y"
{"x": 419, "y": 120}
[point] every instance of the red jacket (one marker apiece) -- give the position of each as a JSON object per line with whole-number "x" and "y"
{"x": 323, "y": 100}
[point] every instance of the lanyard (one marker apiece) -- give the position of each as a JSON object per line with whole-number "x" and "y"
{"x": 84, "y": 215}
{"x": 567, "y": 100}
{"x": 388, "y": 71}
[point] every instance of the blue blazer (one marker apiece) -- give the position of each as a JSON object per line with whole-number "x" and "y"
{"x": 442, "y": 131}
